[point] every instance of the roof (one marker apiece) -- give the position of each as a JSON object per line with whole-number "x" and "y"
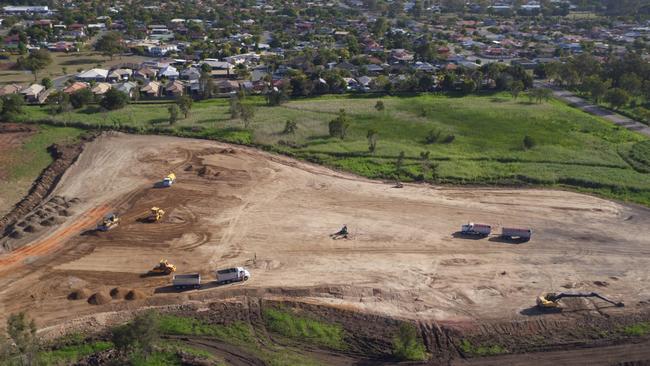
{"x": 10, "y": 89}
{"x": 100, "y": 88}
{"x": 32, "y": 90}
{"x": 76, "y": 86}
{"x": 152, "y": 87}
{"x": 175, "y": 86}
{"x": 93, "y": 74}
{"x": 126, "y": 87}
{"x": 169, "y": 71}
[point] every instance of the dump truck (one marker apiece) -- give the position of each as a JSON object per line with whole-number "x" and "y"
{"x": 476, "y": 229}
{"x": 111, "y": 221}
{"x": 163, "y": 267}
{"x": 156, "y": 214}
{"x": 183, "y": 281}
{"x": 516, "y": 233}
{"x": 234, "y": 274}
{"x": 169, "y": 180}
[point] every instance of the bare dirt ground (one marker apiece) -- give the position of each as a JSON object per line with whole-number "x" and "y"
{"x": 237, "y": 206}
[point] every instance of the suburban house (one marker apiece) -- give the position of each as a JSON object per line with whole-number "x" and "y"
{"x": 220, "y": 69}
{"x": 169, "y": 72}
{"x": 32, "y": 92}
{"x": 75, "y": 87}
{"x": 151, "y": 89}
{"x": 93, "y": 75}
{"x": 129, "y": 88}
{"x": 10, "y": 89}
{"x": 100, "y": 88}
{"x": 118, "y": 75}
{"x": 145, "y": 73}
{"x": 191, "y": 73}
{"x": 174, "y": 88}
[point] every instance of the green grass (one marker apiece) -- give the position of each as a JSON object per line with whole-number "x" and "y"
{"x": 407, "y": 346}
{"x": 304, "y": 329}
{"x": 72, "y": 353}
{"x": 572, "y": 149}
{"x": 238, "y": 334}
{"x": 637, "y": 330}
{"x": 482, "y": 350}
{"x": 158, "y": 358}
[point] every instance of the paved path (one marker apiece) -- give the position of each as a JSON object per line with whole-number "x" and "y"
{"x": 616, "y": 118}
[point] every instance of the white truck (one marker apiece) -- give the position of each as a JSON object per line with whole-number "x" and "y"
{"x": 516, "y": 233}
{"x": 476, "y": 229}
{"x": 232, "y": 275}
{"x": 183, "y": 281}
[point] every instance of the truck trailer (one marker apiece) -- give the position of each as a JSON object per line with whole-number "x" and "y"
{"x": 476, "y": 229}
{"x": 234, "y": 274}
{"x": 183, "y": 281}
{"x": 516, "y": 233}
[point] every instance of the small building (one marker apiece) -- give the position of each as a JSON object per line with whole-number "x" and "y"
{"x": 118, "y": 75}
{"x": 145, "y": 73}
{"x": 175, "y": 88}
{"x": 75, "y": 87}
{"x": 151, "y": 89}
{"x": 100, "y": 88}
{"x": 191, "y": 73}
{"x": 129, "y": 88}
{"x": 93, "y": 75}
{"x": 32, "y": 92}
{"x": 10, "y": 89}
{"x": 169, "y": 72}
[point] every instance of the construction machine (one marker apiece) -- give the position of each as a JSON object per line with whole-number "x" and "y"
{"x": 169, "y": 180}
{"x": 164, "y": 267}
{"x": 109, "y": 222}
{"x": 551, "y": 300}
{"x": 156, "y": 214}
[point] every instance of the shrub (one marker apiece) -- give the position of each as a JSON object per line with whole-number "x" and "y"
{"x": 432, "y": 136}
{"x": 114, "y": 99}
{"x": 448, "y": 139}
{"x": 407, "y": 346}
{"x": 529, "y": 143}
{"x": 81, "y": 98}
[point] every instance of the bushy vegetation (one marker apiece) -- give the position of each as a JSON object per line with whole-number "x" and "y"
{"x": 305, "y": 329}
{"x": 637, "y": 330}
{"x": 407, "y": 345}
{"x": 481, "y": 350}
{"x": 236, "y": 332}
{"x": 72, "y": 353}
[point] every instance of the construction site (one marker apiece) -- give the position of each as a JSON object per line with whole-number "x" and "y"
{"x": 112, "y": 234}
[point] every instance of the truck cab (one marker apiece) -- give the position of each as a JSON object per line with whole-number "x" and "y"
{"x": 234, "y": 274}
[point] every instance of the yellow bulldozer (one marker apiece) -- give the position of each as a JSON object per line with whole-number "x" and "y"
{"x": 551, "y": 299}
{"x": 109, "y": 222}
{"x": 156, "y": 214}
{"x": 163, "y": 268}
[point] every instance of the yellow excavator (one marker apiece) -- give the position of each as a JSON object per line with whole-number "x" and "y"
{"x": 551, "y": 299}
{"x": 109, "y": 222}
{"x": 156, "y": 214}
{"x": 163, "y": 268}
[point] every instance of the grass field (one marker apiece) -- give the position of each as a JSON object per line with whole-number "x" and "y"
{"x": 21, "y": 166}
{"x": 569, "y": 148}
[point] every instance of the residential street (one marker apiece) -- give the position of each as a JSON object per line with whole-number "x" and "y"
{"x": 584, "y": 105}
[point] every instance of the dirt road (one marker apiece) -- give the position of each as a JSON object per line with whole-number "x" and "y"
{"x": 274, "y": 215}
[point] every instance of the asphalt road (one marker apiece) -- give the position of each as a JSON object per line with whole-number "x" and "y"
{"x": 615, "y": 118}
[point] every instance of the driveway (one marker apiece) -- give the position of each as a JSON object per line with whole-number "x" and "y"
{"x": 584, "y": 105}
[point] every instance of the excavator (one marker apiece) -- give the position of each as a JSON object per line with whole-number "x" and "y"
{"x": 551, "y": 299}
{"x": 156, "y": 214}
{"x": 163, "y": 268}
{"x": 109, "y": 222}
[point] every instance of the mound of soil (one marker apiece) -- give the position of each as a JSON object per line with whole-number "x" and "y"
{"x": 228, "y": 151}
{"x": 99, "y": 298}
{"x": 17, "y": 234}
{"x": 135, "y": 295}
{"x": 79, "y": 294}
{"x": 64, "y": 213}
{"x": 51, "y": 221}
{"x": 118, "y": 293}
{"x": 208, "y": 172}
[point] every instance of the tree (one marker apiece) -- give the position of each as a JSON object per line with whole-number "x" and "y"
{"x": 515, "y": 88}
{"x": 338, "y": 127}
{"x": 276, "y": 96}
{"x": 595, "y": 87}
{"x": 59, "y": 102}
{"x": 173, "y": 113}
{"x": 23, "y": 334}
{"x": 372, "y": 137}
{"x": 631, "y": 83}
{"x": 290, "y": 127}
{"x": 37, "y": 61}
{"x": 47, "y": 83}
{"x": 616, "y": 97}
{"x": 12, "y": 105}
{"x": 468, "y": 86}
{"x": 235, "y": 107}
{"x": 110, "y": 44}
{"x": 184, "y": 103}
{"x": 247, "y": 112}
{"x": 428, "y": 167}
{"x": 540, "y": 94}
{"x": 206, "y": 84}
{"x": 379, "y": 105}
{"x": 114, "y": 99}
{"x": 137, "y": 336}
{"x": 81, "y": 98}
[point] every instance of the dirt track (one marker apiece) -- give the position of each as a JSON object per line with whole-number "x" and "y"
{"x": 274, "y": 215}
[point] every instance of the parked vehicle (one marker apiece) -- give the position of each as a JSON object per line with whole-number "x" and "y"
{"x": 476, "y": 229}
{"x": 232, "y": 275}
{"x": 182, "y": 281}
{"x": 516, "y": 233}
{"x": 169, "y": 180}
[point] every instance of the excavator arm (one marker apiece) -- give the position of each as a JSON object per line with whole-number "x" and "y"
{"x": 557, "y": 297}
